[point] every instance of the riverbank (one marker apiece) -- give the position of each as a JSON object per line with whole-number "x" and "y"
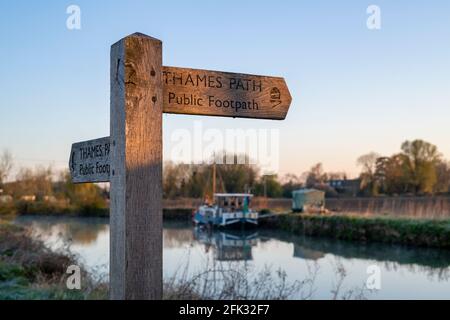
{"x": 55, "y": 209}
{"x": 428, "y": 207}
{"x": 408, "y": 230}
{"x": 391, "y": 230}
{"x": 51, "y": 209}
{"x": 29, "y": 270}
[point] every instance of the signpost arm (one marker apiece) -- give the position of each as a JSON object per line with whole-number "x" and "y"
{"x": 136, "y": 168}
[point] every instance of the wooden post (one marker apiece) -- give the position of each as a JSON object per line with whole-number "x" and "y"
{"x": 136, "y": 168}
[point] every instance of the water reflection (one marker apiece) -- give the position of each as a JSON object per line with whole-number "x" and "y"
{"x": 237, "y": 245}
{"x": 70, "y": 230}
{"x": 227, "y": 245}
{"x": 407, "y": 272}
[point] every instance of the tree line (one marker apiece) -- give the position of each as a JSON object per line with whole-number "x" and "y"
{"x": 418, "y": 168}
{"x": 42, "y": 185}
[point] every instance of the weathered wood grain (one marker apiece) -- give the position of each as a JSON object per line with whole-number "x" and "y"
{"x": 90, "y": 161}
{"x": 136, "y": 158}
{"x": 216, "y": 93}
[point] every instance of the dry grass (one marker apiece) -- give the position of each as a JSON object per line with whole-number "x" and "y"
{"x": 238, "y": 281}
{"x": 29, "y": 270}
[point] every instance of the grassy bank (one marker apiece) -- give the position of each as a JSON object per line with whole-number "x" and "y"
{"x": 28, "y": 270}
{"x": 51, "y": 209}
{"x": 54, "y": 209}
{"x": 416, "y": 232}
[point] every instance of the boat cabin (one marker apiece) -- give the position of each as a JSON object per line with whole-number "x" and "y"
{"x": 230, "y": 202}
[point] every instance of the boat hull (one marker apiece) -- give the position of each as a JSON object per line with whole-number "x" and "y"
{"x": 225, "y": 220}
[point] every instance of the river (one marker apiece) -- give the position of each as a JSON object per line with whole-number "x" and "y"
{"x": 324, "y": 265}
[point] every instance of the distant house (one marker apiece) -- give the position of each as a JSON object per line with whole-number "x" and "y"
{"x": 350, "y": 187}
{"x": 28, "y": 198}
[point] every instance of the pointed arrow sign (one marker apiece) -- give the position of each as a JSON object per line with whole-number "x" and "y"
{"x": 216, "y": 93}
{"x": 90, "y": 161}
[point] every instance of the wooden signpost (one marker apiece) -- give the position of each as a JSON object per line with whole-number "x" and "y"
{"x": 214, "y": 93}
{"x": 90, "y": 161}
{"x": 131, "y": 158}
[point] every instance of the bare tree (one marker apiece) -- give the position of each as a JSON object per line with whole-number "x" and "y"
{"x": 368, "y": 162}
{"x": 6, "y": 165}
{"x": 316, "y": 175}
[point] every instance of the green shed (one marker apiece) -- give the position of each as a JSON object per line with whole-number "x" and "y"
{"x": 306, "y": 199}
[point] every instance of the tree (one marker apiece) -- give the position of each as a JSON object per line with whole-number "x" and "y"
{"x": 174, "y": 177}
{"x": 420, "y": 163}
{"x": 443, "y": 177}
{"x": 6, "y": 165}
{"x": 417, "y": 169}
{"x": 390, "y": 177}
{"x": 85, "y": 196}
{"x": 196, "y": 180}
{"x": 237, "y": 177}
{"x": 271, "y": 185}
{"x": 368, "y": 162}
{"x": 291, "y": 183}
{"x": 37, "y": 182}
{"x": 316, "y": 176}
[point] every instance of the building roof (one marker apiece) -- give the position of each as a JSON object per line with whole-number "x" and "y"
{"x": 307, "y": 191}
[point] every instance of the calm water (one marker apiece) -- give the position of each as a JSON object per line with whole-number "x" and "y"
{"x": 405, "y": 273}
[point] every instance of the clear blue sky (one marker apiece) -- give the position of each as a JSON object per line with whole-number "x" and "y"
{"x": 354, "y": 90}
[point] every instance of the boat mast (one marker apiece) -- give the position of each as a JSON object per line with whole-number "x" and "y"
{"x": 214, "y": 179}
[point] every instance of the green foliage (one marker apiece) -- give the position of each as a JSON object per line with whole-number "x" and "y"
{"x": 35, "y": 192}
{"x": 271, "y": 185}
{"x": 417, "y": 232}
{"x": 237, "y": 177}
{"x": 420, "y": 159}
{"x": 418, "y": 169}
{"x": 86, "y": 197}
{"x": 7, "y": 209}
